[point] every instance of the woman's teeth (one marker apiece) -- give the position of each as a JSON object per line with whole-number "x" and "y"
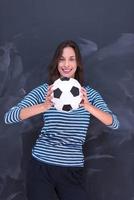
{"x": 66, "y": 70}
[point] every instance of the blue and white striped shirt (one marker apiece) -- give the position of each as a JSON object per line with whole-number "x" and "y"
{"x": 63, "y": 134}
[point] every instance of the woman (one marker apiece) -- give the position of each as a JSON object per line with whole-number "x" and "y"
{"x": 57, "y": 165}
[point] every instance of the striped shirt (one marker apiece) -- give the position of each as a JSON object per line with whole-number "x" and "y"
{"x": 63, "y": 134}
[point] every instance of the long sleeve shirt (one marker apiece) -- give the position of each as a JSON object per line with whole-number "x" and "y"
{"x": 63, "y": 134}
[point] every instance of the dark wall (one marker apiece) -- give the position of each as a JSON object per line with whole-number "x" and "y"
{"x": 30, "y": 30}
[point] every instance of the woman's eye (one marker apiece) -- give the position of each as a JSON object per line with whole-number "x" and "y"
{"x": 72, "y": 59}
{"x": 61, "y": 59}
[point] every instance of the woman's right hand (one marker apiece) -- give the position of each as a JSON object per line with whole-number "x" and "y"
{"x": 38, "y": 108}
{"x": 48, "y": 100}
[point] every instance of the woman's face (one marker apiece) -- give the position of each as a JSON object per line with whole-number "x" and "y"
{"x": 67, "y": 63}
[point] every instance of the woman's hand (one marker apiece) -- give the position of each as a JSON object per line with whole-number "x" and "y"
{"x": 85, "y": 102}
{"x": 48, "y": 102}
{"x": 104, "y": 117}
{"x": 39, "y": 108}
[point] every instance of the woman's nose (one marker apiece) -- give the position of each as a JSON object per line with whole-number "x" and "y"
{"x": 67, "y": 63}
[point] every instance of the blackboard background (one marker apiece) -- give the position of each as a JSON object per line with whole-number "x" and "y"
{"x": 30, "y": 30}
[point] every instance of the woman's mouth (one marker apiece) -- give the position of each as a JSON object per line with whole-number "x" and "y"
{"x": 66, "y": 71}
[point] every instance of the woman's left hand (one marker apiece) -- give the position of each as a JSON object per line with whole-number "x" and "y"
{"x": 85, "y": 102}
{"x": 104, "y": 117}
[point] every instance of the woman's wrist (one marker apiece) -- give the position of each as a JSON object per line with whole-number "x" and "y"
{"x": 104, "y": 117}
{"x": 90, "y": 107}
{"x": 43, "y": 107}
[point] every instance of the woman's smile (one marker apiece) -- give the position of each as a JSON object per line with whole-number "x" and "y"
{"x": 67, "y": 64}
{"x": 66, "y": 70}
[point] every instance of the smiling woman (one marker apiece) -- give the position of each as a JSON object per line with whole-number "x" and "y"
{"x": 57, "y": 162}
{"x": 67, "y": 63}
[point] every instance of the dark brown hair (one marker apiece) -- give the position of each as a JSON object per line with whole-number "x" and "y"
{"x": 53, "y": 72}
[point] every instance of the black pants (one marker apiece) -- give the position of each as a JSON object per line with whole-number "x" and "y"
{"x": 49, "y": 182}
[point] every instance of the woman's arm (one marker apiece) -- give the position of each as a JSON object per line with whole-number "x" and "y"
{"x": 104, "y": 117}
{"x": 31, "y": 111}
{"x": 34, "y": 103}
{"x": 100, "y": 110}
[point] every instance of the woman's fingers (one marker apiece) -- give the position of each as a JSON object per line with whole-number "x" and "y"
{"x": 83, "y": 92}
{"x": 49, "y": 92}
{"x": 48, "y": 97}
{"x": 84, "y": 97}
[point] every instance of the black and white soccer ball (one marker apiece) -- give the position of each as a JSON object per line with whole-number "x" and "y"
{"x": 66, "y": 94}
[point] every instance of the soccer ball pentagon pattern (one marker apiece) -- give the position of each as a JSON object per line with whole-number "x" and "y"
{"x": 66, "y": 94}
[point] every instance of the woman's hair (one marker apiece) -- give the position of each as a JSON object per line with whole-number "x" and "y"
{"x": 53, "y": 72}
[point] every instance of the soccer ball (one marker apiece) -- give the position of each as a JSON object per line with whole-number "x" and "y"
{"x": 66, "y": 94}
